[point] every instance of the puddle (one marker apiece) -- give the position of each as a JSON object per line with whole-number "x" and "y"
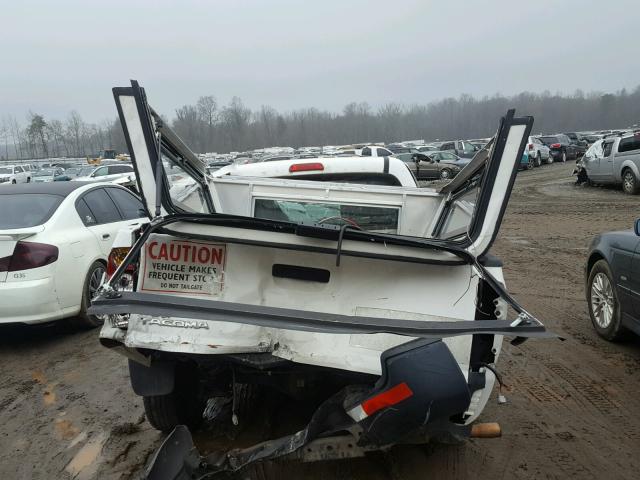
{"x": 85, "y": 464}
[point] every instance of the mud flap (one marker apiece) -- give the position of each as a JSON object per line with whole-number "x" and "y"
{"x": 428, "y": 370}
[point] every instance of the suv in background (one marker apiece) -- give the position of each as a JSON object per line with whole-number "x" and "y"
{"x": 461, "y": 148}
{"x": 14, "y": 174}
{"x": 538, "y": 151}
{"x": 579, "y": 141}
{"x": 560, "y": 147}
{"x": 108, "y": 173}
{"x": 373, "y": 151}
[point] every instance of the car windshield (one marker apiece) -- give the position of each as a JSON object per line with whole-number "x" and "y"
{"x": 86, "y": 171}
{"x": 26, "y": 209}
{"x": 5, "y": 170}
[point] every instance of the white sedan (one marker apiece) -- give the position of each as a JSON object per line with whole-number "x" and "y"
{"x": 55, "y": 240}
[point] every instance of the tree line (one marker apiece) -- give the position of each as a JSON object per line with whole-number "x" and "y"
{"x": 207, "y": 126}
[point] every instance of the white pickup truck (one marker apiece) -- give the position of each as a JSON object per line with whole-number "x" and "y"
{"x": 382, "y": 299}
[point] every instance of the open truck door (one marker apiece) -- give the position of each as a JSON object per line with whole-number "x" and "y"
{"x": 385, "y": 296}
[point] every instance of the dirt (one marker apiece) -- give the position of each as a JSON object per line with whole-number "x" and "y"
{"x": 67, "y": 410}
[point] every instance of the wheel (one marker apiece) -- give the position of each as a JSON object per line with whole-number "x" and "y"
{"x": 91, "y": 284}
{"x": 602, "y": 302}
{"x": 538, "y": 160}
{"x": 564, "y": 156}
{"x": 13, "y": 181}
{"x": 184, "y": 406}
{"x": 629, "y": 182}
{"x": 28, "y": 179}
{"x": 530, "y": 163}
{"x": 445, "y": 174}
{"x": 550, "y": 159}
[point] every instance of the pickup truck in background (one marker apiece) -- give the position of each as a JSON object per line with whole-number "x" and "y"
{"x": 613, "y": 161}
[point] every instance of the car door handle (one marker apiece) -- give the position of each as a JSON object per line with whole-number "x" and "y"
{"x": 105, "y": 236}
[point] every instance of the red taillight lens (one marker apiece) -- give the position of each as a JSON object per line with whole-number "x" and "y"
{"x": 28, "y": 255}
{"x": 387, "y": 399}
{"x": 531, "y": 146}
{"x": 555, "y": 145}
{"x": 306, "y": 167}
{"x": 116, "y": 257}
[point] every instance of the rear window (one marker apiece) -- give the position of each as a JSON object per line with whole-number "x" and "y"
{"x": 628, "y": 144}
{"x": 366, "y": 217}
{"x": 549, "y": 140}
{"x": 27, "y": 209}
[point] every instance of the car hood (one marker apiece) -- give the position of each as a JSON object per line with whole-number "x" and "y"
{"x": 5, "y": 175}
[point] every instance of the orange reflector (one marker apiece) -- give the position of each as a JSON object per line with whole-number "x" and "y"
{"x": 386, "y": 399}
{"x": 306, "y": 167}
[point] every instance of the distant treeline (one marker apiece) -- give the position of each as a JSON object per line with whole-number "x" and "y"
{"x": 208, "y": 126}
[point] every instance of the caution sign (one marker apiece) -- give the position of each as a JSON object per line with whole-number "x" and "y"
{"x": 183, "y": 266}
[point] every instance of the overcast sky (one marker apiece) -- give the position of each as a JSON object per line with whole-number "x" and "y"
{"x": 62, "y": 55}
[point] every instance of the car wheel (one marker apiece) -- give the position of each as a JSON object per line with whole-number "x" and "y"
{"x": 530, "y": 163}
{"x": 445, "y": 174}
{"x": 28, "y": 179}
{"x": 184, "y": 406}
{"x": 564, "y": 156}
{"x": 538, "y": 160}
{"x": 602, "y": 302}
{"x": 550, "y": 159}
{"x": 91, "y": 284}
{"x": 13, "y": 181}
{"x": 629, "y": 182}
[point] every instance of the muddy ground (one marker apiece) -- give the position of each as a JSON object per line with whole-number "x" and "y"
{"x": 67, "y": 411}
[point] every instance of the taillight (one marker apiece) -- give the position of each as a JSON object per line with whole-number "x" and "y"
{"x": 306, "y": 167}
{"x": 116, "y": 257}
{"x": 388, "y": 398}
{"x": 555, "y": 145}
{"x": 531, "y": 146}
{"x": 27, "y": 255}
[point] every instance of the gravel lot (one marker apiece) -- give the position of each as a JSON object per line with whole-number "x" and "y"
{"x": 67, "y": 410}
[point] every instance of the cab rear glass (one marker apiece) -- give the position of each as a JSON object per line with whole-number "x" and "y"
{"x": 27, "y": 209}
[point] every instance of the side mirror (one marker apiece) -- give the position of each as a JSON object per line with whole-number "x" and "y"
{"x": 636, "y": 227}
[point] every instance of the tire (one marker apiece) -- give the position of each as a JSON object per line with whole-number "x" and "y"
{"x": 630, "y": 184}
{"x": 13, "y": 181}
{"x": 603, "y": 305}
{"x": 28, "y": 179}
{"x": 550, "y": 159}
{"x": 445, "y": 174}
{"x": 91, "y": 284}
{"x": 530, "y": 163}
{"x": 564, "y": 156}
{"x": 184, "y": 406}
{"x": 538, "y": 160}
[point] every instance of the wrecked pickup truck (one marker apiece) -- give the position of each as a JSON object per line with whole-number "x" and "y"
{"x": 381, "y": 299}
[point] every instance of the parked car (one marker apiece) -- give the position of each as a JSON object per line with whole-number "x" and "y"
{"x": 428, "y": 166}
{"x": 54, "y": 241}
{"x": 73, "y": 172}
{"x": 612, "y": 276}
{"x": 47, "y": 174}
{"x": 560, "y": 147}
{"x": 317, "y": 290}
{"x": 614, "y": 161}
{"x": 526, "y": 162}
{"x": 373, "y": 151}
{"x": 579, "y": 142}
{"x": 427, "y": 148}
{"x": 108, "y": 173}
{"x": 14, "y": 174}
{"x": 538, "y": 151}
{"x": 461, "y": 148}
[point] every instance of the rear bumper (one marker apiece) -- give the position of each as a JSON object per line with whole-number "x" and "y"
{"x": 421, "y": 388}
{"x": 32, "y": 301}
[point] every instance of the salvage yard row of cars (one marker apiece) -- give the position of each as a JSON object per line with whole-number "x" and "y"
{"x": 214, "y": 282}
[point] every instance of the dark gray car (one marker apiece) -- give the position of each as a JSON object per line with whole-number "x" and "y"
{"x": 613, "y": 283}
{"x": 432, "y": 166}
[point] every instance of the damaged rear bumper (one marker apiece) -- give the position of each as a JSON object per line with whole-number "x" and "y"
{"x": 420, "y": 389}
